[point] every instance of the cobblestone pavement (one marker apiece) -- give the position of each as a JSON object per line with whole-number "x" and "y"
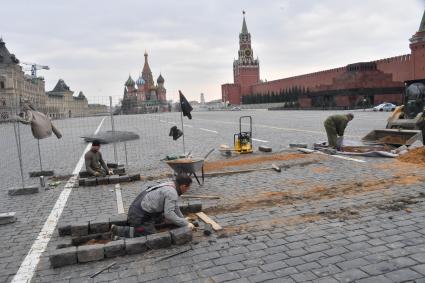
{"x": 322, "y": 219}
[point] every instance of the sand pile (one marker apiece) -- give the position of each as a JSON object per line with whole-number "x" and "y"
{"x": 416, "y": 156}
{"x": 393, "y": 140}
{"x": 249, "y": 160}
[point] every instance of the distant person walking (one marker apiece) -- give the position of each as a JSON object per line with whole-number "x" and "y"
{"x": 335, "y": 126}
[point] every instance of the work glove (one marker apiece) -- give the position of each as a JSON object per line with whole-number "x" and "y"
{"x": 97, "y": 174}
{"x": 110, "y": 172}
{"x": 191, "y": 226}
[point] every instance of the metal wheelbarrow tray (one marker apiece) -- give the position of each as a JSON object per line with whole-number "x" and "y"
{"x": 188, "y": 166}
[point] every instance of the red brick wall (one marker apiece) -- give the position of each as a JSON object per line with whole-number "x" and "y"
{"x": 231, "y": 93}
{"x": 399, "y": 67}
{"x": 246, "y": 77}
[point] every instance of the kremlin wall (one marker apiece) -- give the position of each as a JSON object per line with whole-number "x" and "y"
{"x": 344, "y": 87}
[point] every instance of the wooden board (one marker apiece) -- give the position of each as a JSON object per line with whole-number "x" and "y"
{"x": 208, "y": 220}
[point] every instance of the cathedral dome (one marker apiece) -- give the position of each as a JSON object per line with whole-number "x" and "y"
{"x": 140, "y": 81}
{"x": 129, "y": 81}
{"x": 160, "y": 79}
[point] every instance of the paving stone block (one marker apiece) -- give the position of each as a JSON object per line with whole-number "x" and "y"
{"x": 119, "y": 219}
{"x": 63, "y": 257}
{"x": 102, "y": 180}
{"x": 89, "y": 182}
{"x": 195, "y": 206}
{"x": 136, "y": 245}
{"x": 114, "y": 248}
{"x": 45, "y": 173}
{"x": 7, "y": 218}
{"x": 135, "y": 177}
{"x": 158, "y": 240}
{"x": 264, "y": 148}
{"x": 119, "y": 171}
{"x": 84, "y": 174}
{"x": 90, "y": 253}
{"x": 64, "y": 229}
{"x": 184, "y": 207}
{"x": 112, "y": 165}
{"x": 124, "y": 178}
{"x": 80, "y": 229}
{"x": 99, "y": 226}
{"x": 23, "y": 191}
{"x": 181, "y": 235}
{"x": 114, "y": 179}
{"x": 81, "y": 182}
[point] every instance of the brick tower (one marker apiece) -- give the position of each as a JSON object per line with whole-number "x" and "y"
{"x": 246, "y": 69}
{"x": 417, "y": 46}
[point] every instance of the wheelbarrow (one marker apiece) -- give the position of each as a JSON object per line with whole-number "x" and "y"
{"x": 188, "y": 166}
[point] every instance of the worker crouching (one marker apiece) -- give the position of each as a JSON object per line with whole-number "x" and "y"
{"x": 335, "y": 126}
{"x": 153, "y": 204}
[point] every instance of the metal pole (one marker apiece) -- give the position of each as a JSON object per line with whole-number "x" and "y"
{"x": 39, "y": 155}
{"x": 113, "y": 130}
{"x": 125, "y": 150}
{"x": 18, "y": 137}
{"x": 181, "y": 117}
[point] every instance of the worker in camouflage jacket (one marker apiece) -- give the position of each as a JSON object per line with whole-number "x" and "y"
{"x": 335, "y": 126}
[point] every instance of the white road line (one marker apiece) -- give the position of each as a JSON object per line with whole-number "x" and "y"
{"x": 27, "y": 269}
{"x": 260, "y": 140}
{"x": 279, "y": 128}
{"x": 171, "y": 123}
{"x": 120, "y": 205}
{"x": 189, "y": 126}
{"x": 162, "y": 121}
{"x": 208, "y": 130}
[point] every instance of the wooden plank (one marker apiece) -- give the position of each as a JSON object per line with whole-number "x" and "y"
{"x": 208, "y": 220}
{"x": 200, "y": 196}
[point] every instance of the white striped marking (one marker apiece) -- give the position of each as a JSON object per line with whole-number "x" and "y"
{"x": 162, "y": 121}
{"x": 208, "y": 130}
{"x": 120, "y": 205}
{"x": 27, "y": 269}
{"x": 260, "y": 140}
{"x": 189, "y": 126}
{"x": 171, "y": 123}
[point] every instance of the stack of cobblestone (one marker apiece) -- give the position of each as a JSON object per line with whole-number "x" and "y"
{"x": 81, "y": 232}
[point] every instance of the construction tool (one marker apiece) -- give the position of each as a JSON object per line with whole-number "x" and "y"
{"x": 103, "y": 269}
{"x": 242, "y": 141}
{"x": 173, "y": 255}
{"x": 407, "y": 122}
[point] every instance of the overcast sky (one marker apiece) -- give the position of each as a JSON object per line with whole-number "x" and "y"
{"x": 94, "y": 45}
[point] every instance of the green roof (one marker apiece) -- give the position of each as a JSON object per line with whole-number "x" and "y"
{"x": 422, "y": 26}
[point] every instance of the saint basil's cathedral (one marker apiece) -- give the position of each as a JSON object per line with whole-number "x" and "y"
{"x": 142, "y": 95}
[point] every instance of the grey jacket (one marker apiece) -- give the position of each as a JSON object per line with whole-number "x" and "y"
{"x": 164, "y": 199}
{"x": 41, "y": 126}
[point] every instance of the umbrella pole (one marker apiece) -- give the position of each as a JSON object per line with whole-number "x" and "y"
{"x": 181, "y": 117}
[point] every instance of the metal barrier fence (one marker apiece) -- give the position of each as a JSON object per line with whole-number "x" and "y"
{"x": 75, "y": 118}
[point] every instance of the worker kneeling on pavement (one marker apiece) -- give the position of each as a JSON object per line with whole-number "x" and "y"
{"x": 153, "y": 203}
{"x": 95, "y": 165}
{"x": 335, "y": 126}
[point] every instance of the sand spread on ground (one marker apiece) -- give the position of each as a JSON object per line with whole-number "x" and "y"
{"x": 94, "y": 242}
{"x": 249, "y": 160}
{"x": 318, "y": 192}
{"x": 415, "y": 156}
